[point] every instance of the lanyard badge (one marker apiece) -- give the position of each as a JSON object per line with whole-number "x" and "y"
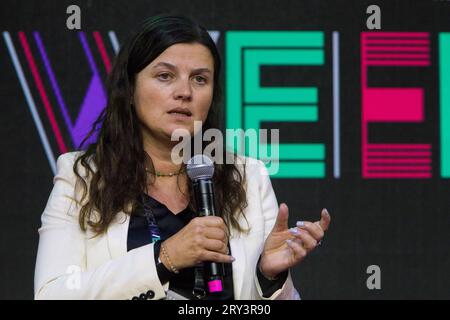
{"x": 151, "y": 222}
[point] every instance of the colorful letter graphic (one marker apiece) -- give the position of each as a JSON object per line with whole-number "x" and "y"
{"x": 92, "y": 103}
{"x": 393, "y": 160}
{"x": 444, "y": 73}
{"x": 249, "y": 104}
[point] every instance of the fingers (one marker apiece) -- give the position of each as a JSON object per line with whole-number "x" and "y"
{"x": 210, "y": 221}
{"x": 314, "y": 229}
{"x": 216, "y": 233}
{"x": 317, "y": 229}
{"x": 282, "y": 219}
{"x": 203, "y": 239}
{"x": 212, "y": 256}
{"x": 210, "y": 227}
{"x": 305, "y": 238}
{"x": 216, "y": 245}
{"x": 211, "y": 236}
{"x": 325, "y": 220}
{"x": 211, "y": 250}
{"x": 297, "y": 248}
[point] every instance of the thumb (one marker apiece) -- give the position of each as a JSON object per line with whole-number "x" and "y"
{"x": 282, "y": 219}
{"x": 325, "y": 220}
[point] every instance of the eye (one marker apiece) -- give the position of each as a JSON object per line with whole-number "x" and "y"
{"x": 164, "y": 76}
{"x": 200, "y": 79}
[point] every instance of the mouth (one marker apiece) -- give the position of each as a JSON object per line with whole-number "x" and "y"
{"x": 180, "y": 112}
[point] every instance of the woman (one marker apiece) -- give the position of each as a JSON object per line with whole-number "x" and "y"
{"x": 120, "y": 222}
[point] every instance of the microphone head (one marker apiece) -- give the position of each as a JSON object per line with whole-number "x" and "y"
{"x": 200, "y": 167}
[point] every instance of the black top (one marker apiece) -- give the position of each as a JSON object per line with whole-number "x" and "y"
{"x": 169, "y": 224}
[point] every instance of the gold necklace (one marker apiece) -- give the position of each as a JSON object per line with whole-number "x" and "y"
{"x": 160, "y": 174}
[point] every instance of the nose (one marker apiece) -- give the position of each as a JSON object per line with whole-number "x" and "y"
{"x": 183, "y": 91}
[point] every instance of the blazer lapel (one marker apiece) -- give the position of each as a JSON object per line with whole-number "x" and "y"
{"x": 117, "y": 235}
{"x": 237, "y": 246}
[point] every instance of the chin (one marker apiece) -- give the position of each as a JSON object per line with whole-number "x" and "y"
{"x": 173, "y": 128}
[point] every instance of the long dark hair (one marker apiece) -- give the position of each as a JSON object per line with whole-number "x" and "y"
{"x": 114, "y": 175}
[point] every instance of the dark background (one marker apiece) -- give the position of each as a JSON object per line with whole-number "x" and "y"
{"x": 400, "y": 225}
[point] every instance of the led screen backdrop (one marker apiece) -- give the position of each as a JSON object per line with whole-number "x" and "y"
{"x": 363, "y": 114}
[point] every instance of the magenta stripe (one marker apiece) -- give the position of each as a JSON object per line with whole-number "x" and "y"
{"x": 397, "y": 160}
{"x": 398, "y": 63}
{"x": 42, "y": 93}
{"x": 418, "y": 48}
{"x": 399, "y": 168}
{"x": 397, "y": 42}
{"x": 398, "y": 146}
{"x": 398, "y": 55}
{"x": 364, "y": 136}
{"x": 101, "y": 48}
{"x": 411, "y": 175}
{"x": 396, "y": 150}
{"x": 370, "y": 50}
{"x": 400, "y": 153}
{"x": 399, "y": 49}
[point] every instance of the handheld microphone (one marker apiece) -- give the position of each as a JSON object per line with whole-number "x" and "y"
{"x": 200, "y": 170}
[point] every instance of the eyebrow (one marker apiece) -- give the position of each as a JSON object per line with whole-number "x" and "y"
{"x": 171, "y": 66}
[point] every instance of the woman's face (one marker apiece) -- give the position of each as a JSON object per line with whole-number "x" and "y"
{"x": 181, "y": 77}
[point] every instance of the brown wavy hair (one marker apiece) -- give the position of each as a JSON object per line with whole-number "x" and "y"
{"x": 115, "y": 175}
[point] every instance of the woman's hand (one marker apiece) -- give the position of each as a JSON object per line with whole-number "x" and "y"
{"x": 202, "y": 239}
{"x": 286, "y": 247}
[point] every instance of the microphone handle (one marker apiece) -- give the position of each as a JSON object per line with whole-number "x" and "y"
{"x": 204, "y": 192}
{"x": 204, "y": 197}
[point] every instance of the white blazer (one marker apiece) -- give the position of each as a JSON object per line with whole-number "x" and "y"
{"x": 72, "y": 264}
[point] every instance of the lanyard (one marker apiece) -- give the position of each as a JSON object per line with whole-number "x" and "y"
{"x": 198, "y": 291}
{"x": 151, "y": 221}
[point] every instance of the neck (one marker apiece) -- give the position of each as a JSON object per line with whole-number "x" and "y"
{"x": 160, "y": 152}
